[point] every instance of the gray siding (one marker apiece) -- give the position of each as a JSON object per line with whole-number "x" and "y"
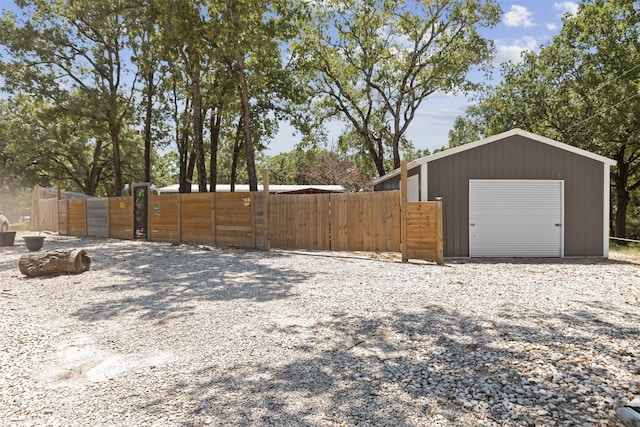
{"x": 518, "y": 157}
{"x": 394, "y": 182}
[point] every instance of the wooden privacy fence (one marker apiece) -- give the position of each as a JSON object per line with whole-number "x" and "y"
{"x": 337, "y": 222}
{"x": 379, "y": 222}
{"x": 47, "y": 216}
{"x": 227, "y": 219}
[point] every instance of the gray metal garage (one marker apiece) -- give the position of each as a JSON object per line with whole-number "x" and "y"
{"x": 516, "y": 194}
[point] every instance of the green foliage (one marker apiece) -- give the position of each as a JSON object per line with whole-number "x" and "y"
{"x": 286, "y": 168}
{"x": 629, "y": 249}
{"x": 70, "y": 54}
{"x": 165, "y": 169}
{"x": 374, "y": 62}
{"x": 96, "y": 88}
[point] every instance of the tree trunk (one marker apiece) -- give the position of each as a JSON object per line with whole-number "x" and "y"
{"x": 93, "y": 176}
{"x": 622, "y": 202}
{"x": 237, "y": 144}
{"x": 198, "y": 141}
{"x": 620, "y": 180}
{"x": 51, "y": 263}
{"x": 114, "y": 131}
{"x": 183, "y": 153}
{"x": 396, "y": 150}
{"x": 376, "y": 156}
{"x": 192, "y": 65}
{"x": 147, "y": 127}
{"x": 246, "y": 114}
{"x": 214, "y": 128}
{"x": 190, "y": 168}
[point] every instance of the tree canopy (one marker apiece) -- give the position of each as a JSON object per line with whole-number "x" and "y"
{"x": 99, "y": 94}
{"x": 374, "y": 62}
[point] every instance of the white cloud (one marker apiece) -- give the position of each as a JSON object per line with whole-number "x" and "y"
{"x": 518, "y": 16}
{"x": 440, "y": 114}
{"x": 566, "y": 7}
{"x": 512, "y": 51}
{"x": 552, "y": 26}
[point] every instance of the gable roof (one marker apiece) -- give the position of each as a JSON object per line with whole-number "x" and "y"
{"x": 494, "y": 138}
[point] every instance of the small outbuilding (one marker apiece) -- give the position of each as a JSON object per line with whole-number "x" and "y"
{"x": 515, "y": 194}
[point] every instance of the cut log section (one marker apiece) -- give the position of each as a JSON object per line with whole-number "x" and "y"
{"x": 52, "y": 263}
{"x": 629, "y": 415}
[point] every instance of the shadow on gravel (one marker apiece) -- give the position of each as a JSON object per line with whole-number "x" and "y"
{"x": 159, "y": 281}
{"x": 520, "y": 369}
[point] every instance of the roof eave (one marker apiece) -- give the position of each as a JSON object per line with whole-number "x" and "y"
{"x": 493, "y": 138}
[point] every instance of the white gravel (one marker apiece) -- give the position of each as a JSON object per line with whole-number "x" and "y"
{"x": 162, "y": 335}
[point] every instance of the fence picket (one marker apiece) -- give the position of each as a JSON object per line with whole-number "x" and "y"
{"x": 338, "y": 222}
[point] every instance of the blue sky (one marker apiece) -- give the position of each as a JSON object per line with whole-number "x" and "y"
{"x": 525, "y": 25}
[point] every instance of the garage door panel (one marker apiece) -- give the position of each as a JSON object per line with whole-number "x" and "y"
{"x": 515, "y": 218}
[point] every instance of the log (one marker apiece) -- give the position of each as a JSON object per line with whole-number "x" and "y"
{"x": 629, "y": 414}
{"x": 51, "y": 263}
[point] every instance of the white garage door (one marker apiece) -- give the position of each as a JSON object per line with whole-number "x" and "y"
{"x": 516, "y": 218}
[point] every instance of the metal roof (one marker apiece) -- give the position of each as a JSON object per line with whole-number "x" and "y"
{"x": 225, "y": 188}
{"x": 494, "y": 138}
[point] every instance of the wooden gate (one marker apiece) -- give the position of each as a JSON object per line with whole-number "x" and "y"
{"x": 421, "y": 226}
{"x": 365, "y": 222}
{"x": 300, "y": 221}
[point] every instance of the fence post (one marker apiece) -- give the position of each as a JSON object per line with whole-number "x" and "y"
{"x": 403, "y": 211}
{"x": 439, "y": 231}
{"x": 252, "y": 205}
{"x": 86, "y": 218}
{"x": 265, "y": 209}
{"x": 179, "y": 217}
{"x": 35, "y": 207}
{"x": 214, "y": 238}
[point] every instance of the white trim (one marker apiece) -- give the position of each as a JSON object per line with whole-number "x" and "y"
{"x": 494, "y": 138}
{"x": 424, "y": 183}
{"x": 606, "y": 211}
{"x": 413, "y": 188}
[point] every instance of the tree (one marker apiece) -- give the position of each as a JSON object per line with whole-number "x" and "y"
{"x": 251, "y": 35}
{"x": 144, "y": 38}
{"x": 72, "y": 46}
{"x": 581, "y": 89}
{"x": 184, "y": 31}
{"x": 374, "y": 62}
{"x": 43, "y": 146}
{"x": 466, "y": 130}
{"x": 332, "y": 168}
{"x": 317, "y": 166}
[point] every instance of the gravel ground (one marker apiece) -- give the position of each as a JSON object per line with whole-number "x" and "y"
{"x": 162, "y": 335}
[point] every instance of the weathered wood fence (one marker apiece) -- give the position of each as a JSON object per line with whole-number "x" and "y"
{"x": 378, "y": 222}
{"x": 337, "y": 222}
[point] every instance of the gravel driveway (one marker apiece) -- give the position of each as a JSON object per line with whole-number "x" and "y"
{"x": 162, "y": 335}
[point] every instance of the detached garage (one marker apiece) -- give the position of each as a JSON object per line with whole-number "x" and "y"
{"x": 516, "y": 194}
